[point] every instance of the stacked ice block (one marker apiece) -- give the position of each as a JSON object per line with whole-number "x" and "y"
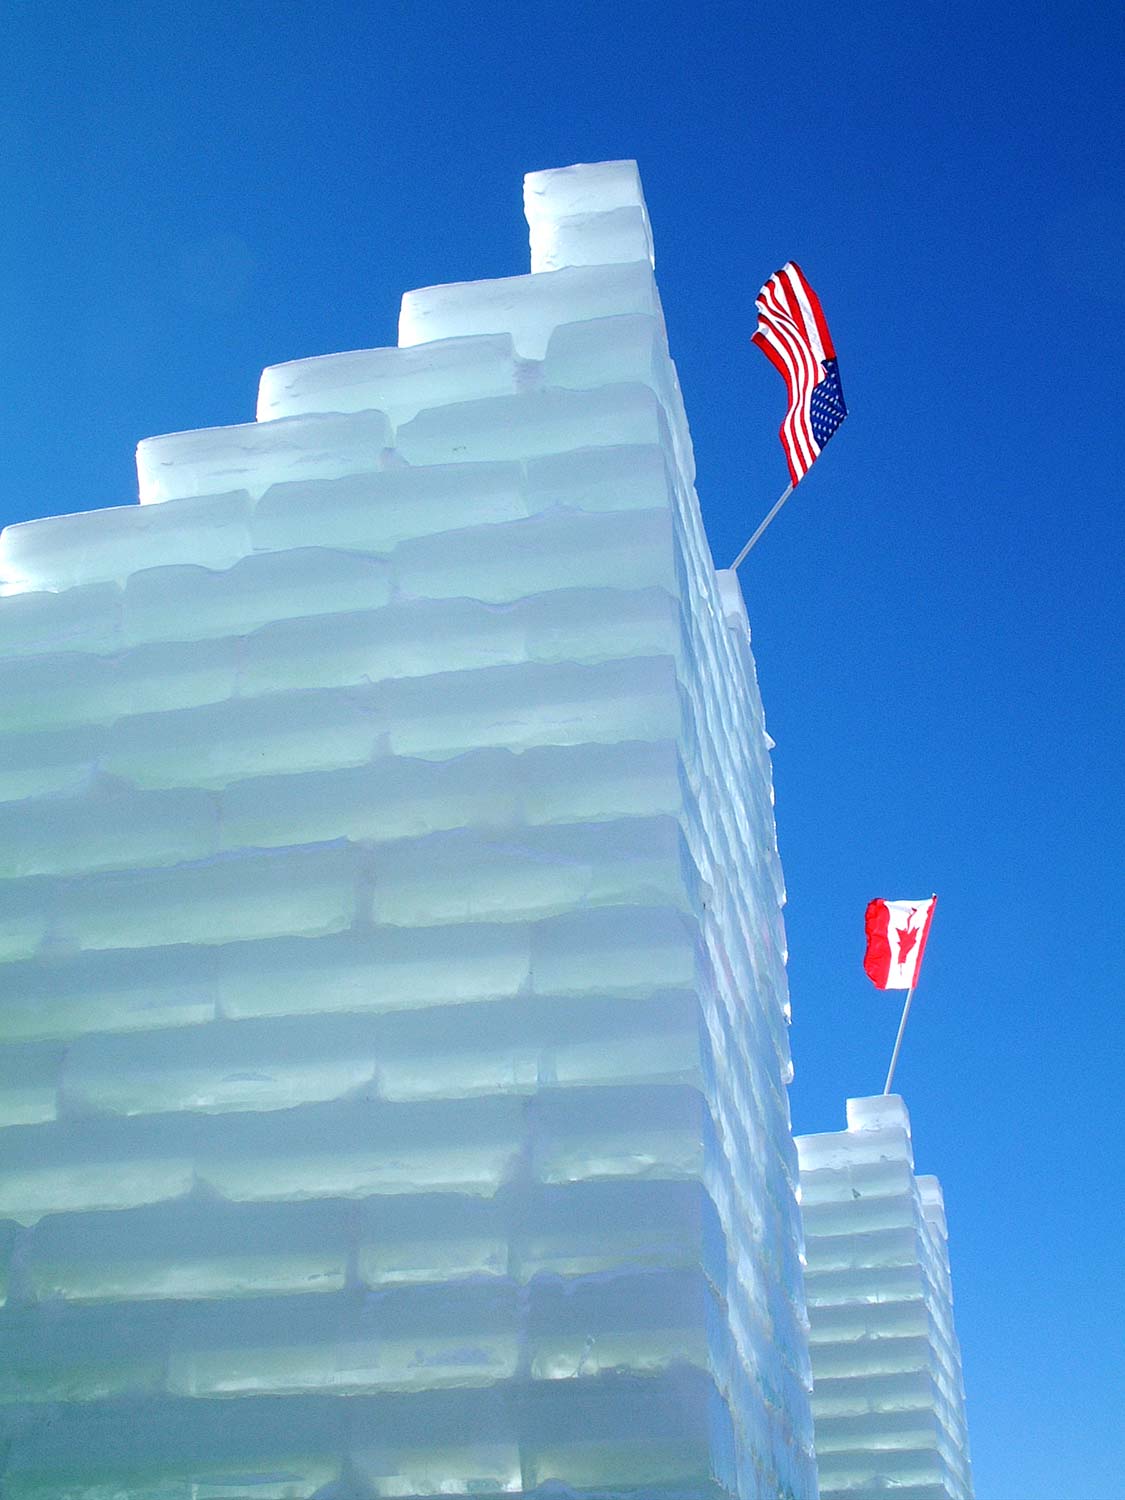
{"x": 394, "y": 1009}
{"x": 888, "y": 1398}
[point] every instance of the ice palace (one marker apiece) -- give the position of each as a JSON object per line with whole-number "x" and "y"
{"x": 394, "y": 1021}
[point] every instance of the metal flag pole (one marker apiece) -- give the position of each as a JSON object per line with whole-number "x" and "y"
{"x": 780, "y": 502}
{"x": 905, "y": 1013}
{"x": 898, "y": 1039}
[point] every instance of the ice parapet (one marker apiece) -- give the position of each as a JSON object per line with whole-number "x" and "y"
{"x": 393, "y": 1036}
{"x": 888, "y": 1398}
{"x": 587, "y": 216}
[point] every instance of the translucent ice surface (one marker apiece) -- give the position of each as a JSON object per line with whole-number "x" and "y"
{"x": 888, "y": 1397}
{"x": 586, "y": 216}
{"x": 399, "y": 382}
{"x": 392, "y": 999}
{"x": 529, "y": 308}
{"x": 258, "y": 454}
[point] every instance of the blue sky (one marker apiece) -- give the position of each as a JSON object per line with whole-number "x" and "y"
{"x": 191, "y": 192}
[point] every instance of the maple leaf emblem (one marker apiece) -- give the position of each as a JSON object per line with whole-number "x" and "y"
{"x": 907, "y": 937}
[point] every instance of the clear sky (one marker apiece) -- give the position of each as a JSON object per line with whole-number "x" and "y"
{"x": 194, "y": 190}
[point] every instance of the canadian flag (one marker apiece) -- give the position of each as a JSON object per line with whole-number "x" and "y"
{"x": 896, "y": 939}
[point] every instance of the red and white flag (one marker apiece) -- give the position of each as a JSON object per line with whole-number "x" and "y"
{"x": 793, "y": 335}
{"x": 896, "y": 940}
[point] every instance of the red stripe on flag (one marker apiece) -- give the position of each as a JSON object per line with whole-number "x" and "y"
{"x": 818, "y": 311}
{"x": 877, "y": 959}
{"x": 777, "y": 359}
{"x": 922, "y": 940}
{"x": 796, "y": 431}
{"x": 789, "y": 297}
{"x": 793, "y": 333}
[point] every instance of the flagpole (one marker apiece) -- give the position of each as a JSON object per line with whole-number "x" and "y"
{"x": 780, "y": 502}
{"x": 898, "y": 1040}
{"x": 906, "y": 1007}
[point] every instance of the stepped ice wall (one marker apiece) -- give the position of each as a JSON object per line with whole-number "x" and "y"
{"x": 393, "y": 1042}
{"x": 888, "y": 1397}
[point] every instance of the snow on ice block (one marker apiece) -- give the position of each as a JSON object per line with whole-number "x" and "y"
{"x": 191, "y": 602}
{"x": 399, "y": 382}
{"x": 530, "y": 308}
{"x": 255, "y": 455}
{"x": 374, "y": 512}
{"x": 531, "y": 425}
{"x": 99, "y": 546}
{"x": 590, "y": 214}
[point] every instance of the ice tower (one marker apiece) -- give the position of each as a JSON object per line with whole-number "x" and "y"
{"x": 888, "y": 1397}
{"x": 394, "y": 1009}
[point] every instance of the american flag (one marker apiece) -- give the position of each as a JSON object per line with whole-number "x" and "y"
{"x": 793, "y": 335}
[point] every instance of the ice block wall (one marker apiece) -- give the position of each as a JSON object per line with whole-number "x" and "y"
{"x": 394, "y": 1009}
{"x": 888, "y": 1398}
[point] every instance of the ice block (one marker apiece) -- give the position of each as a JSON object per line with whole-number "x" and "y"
{"x": 888, "y": 1397}
{"x": 393, "y": 1042}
